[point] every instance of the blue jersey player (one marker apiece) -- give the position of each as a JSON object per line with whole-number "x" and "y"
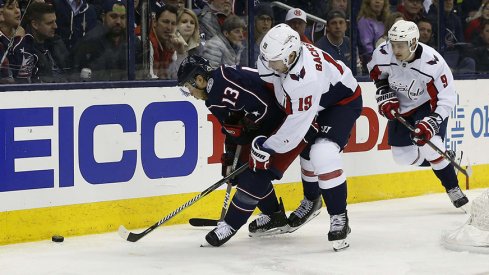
{"x": 238, "y": 98}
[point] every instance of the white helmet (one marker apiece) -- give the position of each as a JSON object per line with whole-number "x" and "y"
{"x": 278, "y": 43}
{"x": 405, "y": 31}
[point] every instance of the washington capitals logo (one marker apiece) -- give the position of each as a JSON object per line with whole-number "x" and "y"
{"x": 434, "y": 61}
{"x": 299, "y": 75}
{"x": 382, "y": 50}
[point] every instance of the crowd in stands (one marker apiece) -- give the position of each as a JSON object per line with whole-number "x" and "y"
{"x": 86, "y": 40}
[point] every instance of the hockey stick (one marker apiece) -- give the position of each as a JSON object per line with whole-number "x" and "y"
{"x": 212, "y": 222}
{"x": 434, "y": 147}
{"x": 134, "y": 237}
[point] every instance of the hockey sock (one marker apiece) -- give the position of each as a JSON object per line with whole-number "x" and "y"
{"x": 311, "y": 190}
{"x": 252, "y": 188}
{"x": 335, "y": 199}
{"x": 240, "y": 210}
{"x": 447, "y": 176}
{"x": 269, "y": 204}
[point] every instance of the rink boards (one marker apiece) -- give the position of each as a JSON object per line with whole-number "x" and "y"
{"x": 85, "y": 161}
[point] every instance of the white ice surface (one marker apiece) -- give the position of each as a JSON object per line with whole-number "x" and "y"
{"x": 399, "y": 236}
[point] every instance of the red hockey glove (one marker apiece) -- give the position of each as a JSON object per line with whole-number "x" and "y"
{"x": 259, "y": 155}
{"x": 387, "y": 102}
{"x": 426, "y": 129}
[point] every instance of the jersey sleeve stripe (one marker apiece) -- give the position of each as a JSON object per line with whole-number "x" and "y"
{"x": 332, "y": 61}
{"x": 375, "y": 73}
{"x": 433, "y": 92}
{"x": 356, "y": 94}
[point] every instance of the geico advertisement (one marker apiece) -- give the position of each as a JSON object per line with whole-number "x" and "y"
{"x": 68, "y": 147}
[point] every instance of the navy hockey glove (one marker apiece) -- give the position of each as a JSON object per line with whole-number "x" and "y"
{"x": 227, "y": 162}
{"x": 227, "y": 158}
{"x": 386, "y": 100}
{"x": 312, "y": 133}
{"x": 426, "y": 129}
{"x": 259, "y": 155}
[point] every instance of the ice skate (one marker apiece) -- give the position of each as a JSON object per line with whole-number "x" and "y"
{"x": 220, "y": 235}
{"x": 339, "y": 230}
{"x": 457, "y": 197}
{"x": 275, "y": 223}
{"x": 306, "y": 211}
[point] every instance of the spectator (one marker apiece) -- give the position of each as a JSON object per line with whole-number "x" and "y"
{"x": 391, "y": 19}
{"x": 456, "y": 53}
{"x": 335, "y": 42}
{"x": 74, "y": 19}
{"x": 296, "y": 19}
{"x": 474, "y": 28}
{"x": 453, "y": 24}
{"x": 340, "y": 5}
{"x": 426, "y": 32}
{"x": 166, "y": 44}
{"x": 212, "y": 17}
{"x": 412, "y": 10}
{"x": 481, "y": 53}
{"x": 10, "y": 19}
{"x": 263, "y": 23}
{"x": 9, "y": 27}
{"x": 158, "y": 4}
{"x": 226, "y": 47}
{"x": 188, "y": 28}
{"x": 103, "y": 50}
{"x": 137, "y": 13}
{"x": 188, "y": 32}
{"x": 469, "y": 9}
{"x": 371, "y": 18}
{"x": 40, "y": 56}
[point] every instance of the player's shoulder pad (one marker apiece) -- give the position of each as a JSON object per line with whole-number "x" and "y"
{"x": 430, "y": 56}
{"x": 383, "y": 53}
{"x": 431, "y": 61}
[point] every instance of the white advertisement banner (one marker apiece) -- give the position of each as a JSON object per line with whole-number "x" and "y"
{"x": 82, "y": 146}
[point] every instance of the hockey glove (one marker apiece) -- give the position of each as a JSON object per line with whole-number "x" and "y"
{"x": 227, "y": 158}
{"x": 387, "y": 101}
{"x": 227, "y": 162}
{"x": 233, "y": 130}
{"x": 259, "y": 155}
{"x": 426, "y": 129}
{"x": 312, "y": 133}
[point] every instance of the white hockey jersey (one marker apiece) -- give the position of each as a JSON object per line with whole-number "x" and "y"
{"x": 309, "y": 87}
{"x": 426, "y": 78}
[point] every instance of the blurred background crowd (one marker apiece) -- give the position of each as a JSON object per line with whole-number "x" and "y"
{"x": 55, "y": 41}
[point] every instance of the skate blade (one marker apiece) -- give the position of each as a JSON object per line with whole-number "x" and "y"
{"x": 271, "y": 232}
{"x": 315, "y": 214}
{"x": 464, "y": 209}
{"x": 205, "y": 244}
{"x": 340, "y": 245}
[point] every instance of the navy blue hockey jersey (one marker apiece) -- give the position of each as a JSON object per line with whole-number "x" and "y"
{"x": 238, "y": 96}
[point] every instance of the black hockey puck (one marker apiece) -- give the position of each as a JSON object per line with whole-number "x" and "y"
{"x": 57, "y": 238}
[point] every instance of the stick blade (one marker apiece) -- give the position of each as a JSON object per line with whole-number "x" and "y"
{"x": 202, "y": 222}
{"x": 123, "y": 232}
{"x": 129, "y": 236}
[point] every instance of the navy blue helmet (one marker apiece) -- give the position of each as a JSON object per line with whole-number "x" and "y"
{"x": 192, "y": 66}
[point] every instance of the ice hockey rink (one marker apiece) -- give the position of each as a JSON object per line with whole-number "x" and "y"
{"x": 400, "y": 236}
